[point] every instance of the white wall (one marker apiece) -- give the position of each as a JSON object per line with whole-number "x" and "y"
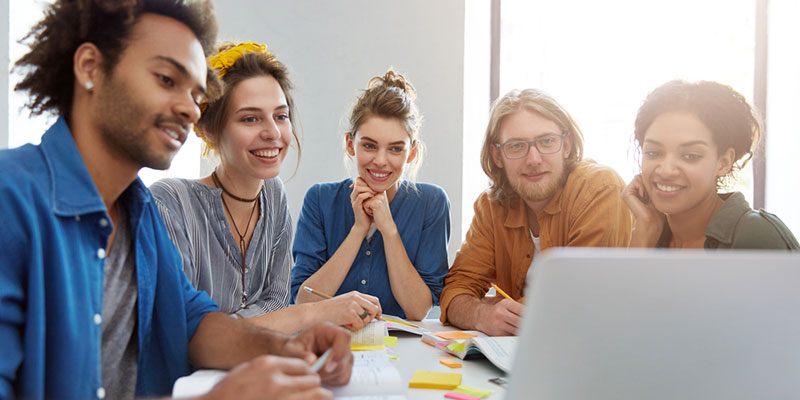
{"x": 4, "y": 61}
{"x": 783, "y": 122}
{"x": 332, "y": 48}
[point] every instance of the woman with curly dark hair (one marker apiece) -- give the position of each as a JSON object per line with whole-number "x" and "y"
{"x": 692, "y": 138}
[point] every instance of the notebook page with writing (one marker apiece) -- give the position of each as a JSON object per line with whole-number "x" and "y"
{"x": 373, "y": 375}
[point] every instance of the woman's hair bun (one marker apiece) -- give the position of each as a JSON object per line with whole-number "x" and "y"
{"x": 394, "y": 79}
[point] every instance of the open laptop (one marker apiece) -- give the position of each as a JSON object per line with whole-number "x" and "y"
{"x": 657, "y": 324}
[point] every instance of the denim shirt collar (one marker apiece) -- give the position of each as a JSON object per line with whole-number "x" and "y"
{"x": 74, "y": 191}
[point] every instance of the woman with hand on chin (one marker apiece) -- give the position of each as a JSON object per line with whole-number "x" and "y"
{"x": 692, "y": 137}
{"x": 378, "y": 233}
{"x": 233, "y": 228}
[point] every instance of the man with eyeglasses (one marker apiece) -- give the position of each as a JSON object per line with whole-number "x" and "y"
{"x": 542, "y": 195}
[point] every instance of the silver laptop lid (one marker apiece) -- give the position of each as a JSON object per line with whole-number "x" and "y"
{"x": 650, "y": 324}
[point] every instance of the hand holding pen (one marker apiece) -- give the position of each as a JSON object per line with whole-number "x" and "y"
{"x": 352, "y": 310}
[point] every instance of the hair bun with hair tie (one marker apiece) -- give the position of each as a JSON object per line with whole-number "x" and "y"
{"x": 394, "y": 79}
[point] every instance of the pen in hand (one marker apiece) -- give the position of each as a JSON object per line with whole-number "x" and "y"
{"x": 502, "y": 293}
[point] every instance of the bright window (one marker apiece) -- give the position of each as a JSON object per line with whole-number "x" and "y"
{"x": 600, "y": 59}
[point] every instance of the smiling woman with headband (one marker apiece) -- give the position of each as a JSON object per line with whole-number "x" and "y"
{"x": 233, "y": 227}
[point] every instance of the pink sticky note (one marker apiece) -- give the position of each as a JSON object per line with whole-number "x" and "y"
{"x": 460, "y": 396}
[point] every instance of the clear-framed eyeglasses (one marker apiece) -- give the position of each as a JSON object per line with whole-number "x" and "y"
{"x": 547, "y": 144}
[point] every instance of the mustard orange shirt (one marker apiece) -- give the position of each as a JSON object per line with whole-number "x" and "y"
{"x": 587, "y": 212}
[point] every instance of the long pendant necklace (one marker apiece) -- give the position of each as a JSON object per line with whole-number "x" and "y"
{"x": 241, "y": 235}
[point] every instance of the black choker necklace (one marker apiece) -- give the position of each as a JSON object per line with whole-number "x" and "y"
{"x": 231, "y": 195}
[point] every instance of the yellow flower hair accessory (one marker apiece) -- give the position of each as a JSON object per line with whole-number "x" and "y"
{"x": 224, "y": 60}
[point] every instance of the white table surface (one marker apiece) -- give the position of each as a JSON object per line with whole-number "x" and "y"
{"x": 415, "y": 355}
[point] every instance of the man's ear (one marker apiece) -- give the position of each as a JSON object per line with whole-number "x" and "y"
{"x": 567, "y": 146}
{"x": 349, "y": 145}
{"x": 87, "y": 64}
{"x": 725, "y": 162}
{"x": 497, "y": 156}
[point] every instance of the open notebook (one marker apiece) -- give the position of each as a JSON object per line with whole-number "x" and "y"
{"x": 498, "y": 349}
{"x": 374, "y": 377}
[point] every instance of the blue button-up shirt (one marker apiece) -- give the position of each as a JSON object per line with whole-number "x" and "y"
{"x": 422, "y": 217}
{"x": 53, "y": 237}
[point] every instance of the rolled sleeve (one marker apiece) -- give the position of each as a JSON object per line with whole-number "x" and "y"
{"x": 197, "y": 305}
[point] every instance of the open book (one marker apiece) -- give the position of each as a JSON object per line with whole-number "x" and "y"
{"x": 395, "y": 323}
{"x": 498, "y": 349}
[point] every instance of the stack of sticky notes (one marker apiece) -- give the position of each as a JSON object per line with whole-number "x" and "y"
{"x": 434, "y": 380}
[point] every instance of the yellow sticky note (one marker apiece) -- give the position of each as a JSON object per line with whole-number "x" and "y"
{"x": 456, "y": 346}
{"x": 473, "y": 391}
{"x": 366, "y": 347}
{"x": 392, "y": 357}
{"x": 390, "y": 341}
{"x": 451, "y": 363}
{"x": 434, "y": 380}
{"x": 454, "y": 335}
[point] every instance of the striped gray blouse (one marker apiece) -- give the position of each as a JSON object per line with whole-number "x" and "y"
{"x": 195, "y": 220}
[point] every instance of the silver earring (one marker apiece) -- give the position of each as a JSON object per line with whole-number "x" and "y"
{"x": 88, "y": 85}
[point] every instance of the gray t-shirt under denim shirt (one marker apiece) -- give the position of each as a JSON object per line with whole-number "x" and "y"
{"x": 120, "y": 347}
{"x": 195, "y": 219}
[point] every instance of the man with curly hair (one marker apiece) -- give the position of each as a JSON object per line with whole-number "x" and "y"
{"x": 93, "y": 301}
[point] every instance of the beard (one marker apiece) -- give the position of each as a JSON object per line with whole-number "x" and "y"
{"x": 536, "y": 192}
{"x": 125, "y": 125}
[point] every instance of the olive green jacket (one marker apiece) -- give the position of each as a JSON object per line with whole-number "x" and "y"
{"x": 737, "y": 226}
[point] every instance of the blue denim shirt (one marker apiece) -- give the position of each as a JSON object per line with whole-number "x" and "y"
{"x": 53, "y": 235}
{"x": 422, "y": 217}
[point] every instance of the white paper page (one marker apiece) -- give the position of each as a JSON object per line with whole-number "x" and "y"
{"x": 405, "y": 326}
{"x": 198, "y": 383}
{"x": 373, "y": 375}
{"x": 371, "y": 334}
{"x": 499, "y": 350}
